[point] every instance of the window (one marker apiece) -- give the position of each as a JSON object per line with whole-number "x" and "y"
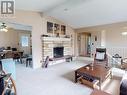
{"x": 24, "y": 41}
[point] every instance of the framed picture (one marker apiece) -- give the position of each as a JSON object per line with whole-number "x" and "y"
{"x": 63, "y": 30}
{"x": 56, "y": 28}
{"x": 49, "y": 27}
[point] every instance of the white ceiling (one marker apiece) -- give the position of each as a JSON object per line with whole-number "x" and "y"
{"x": 37, "y": 5}
{"x": 79, "y": 13}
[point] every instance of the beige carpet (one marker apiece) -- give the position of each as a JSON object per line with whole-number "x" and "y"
{"x": 56, "y": 80}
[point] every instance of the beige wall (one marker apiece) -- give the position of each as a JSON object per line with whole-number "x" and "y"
{"x": 112, "y": 36}
{"x": 9, "y": 38}
{"x": 37, "y": 21}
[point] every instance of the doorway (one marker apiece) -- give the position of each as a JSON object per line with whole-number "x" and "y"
{"x": 17, "y": 42}
{"x": 84, "y": 44}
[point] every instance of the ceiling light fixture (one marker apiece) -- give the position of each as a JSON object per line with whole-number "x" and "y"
{"x": 3, "y": 28}
{"x": 124, "y": 33}
{"x": 65, "y": 9}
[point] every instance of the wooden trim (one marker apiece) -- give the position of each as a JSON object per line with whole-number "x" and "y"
{"x": 99, "y": 92}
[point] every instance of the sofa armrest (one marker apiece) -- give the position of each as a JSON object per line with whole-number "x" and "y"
{"x": 123, "y": 85}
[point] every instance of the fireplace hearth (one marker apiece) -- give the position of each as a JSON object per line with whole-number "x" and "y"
{"x": 58, "y": 52}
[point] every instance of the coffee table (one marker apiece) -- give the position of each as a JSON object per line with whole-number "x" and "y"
{"x": 92, "y": 72}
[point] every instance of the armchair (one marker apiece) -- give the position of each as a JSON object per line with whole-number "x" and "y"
{"x": 124, "y": 63}
{"x": 101, "y": 57}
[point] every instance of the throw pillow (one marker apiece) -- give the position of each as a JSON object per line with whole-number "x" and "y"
{"x": 100, "y": 55}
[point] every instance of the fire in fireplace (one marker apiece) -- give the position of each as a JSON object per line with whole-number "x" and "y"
{"x": 58, "y": 52}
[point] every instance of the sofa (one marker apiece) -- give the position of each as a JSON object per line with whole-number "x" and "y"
{"x": 123, "y": 85}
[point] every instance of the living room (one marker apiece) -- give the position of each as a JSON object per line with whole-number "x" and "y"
{"x": 57, "y": 49}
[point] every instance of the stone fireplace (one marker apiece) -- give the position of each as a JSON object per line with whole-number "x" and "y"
{"x": 56, "y": 47}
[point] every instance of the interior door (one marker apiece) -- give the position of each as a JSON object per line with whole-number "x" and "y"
{"x": 83, "y": 45}
{"x": 25, "y": 43}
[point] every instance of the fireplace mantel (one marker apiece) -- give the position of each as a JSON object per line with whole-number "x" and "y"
{"x": 55, "y": 39}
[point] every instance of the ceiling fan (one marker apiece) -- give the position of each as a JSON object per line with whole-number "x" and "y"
{"x": 3, "y": 27}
